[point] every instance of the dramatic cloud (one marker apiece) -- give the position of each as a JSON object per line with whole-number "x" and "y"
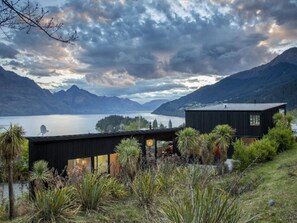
{"x": 153, "y": 49}
{"x": 7, "y": 51}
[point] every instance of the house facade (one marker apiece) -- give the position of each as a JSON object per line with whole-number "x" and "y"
{"x": 250, "y": 120}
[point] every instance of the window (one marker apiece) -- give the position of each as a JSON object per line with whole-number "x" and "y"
{"x": 282, "y": 111}
{"x": 101, "y": 163}
{"x": 254, "y": 120}
{"x": 77, "y": 167}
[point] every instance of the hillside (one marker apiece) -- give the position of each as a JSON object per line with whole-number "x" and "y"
{"x": 22, "y": 96}
{"x": 275, "y": 81}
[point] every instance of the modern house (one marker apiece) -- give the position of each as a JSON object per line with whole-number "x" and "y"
{"x": 97, "y": 151}
{"x": 250, "y": 120}
{"x": 94, "y": 151}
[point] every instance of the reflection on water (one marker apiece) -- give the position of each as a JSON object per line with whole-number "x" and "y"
{"x": 74, "y": 124}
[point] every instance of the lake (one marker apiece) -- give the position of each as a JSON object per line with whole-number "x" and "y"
{"x": 74, "y": 124}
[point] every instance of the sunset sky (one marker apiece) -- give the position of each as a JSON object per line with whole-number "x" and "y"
{"x": 151, "y": 49}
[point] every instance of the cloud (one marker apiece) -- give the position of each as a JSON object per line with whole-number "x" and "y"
{"x": 8, "y": 51}
{"x": 154, "y": 47}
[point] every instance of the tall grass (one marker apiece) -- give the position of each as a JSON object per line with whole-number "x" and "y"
{"x": 201, "y": 206}
{"x": 94, "y": 191}
{"x": 53, "y": 205}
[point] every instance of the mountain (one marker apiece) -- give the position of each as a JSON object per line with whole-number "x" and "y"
{"x": 275, "y": 81}
{"x": 154, "y": 104}
{"x": 22, "y": 96}
{"x": 82, "y": 101}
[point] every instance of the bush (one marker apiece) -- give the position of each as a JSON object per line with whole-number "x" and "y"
{"x": 202, "y": 205}
{"x": 94, "y": 191}
{"x": 260, "y": 151}
{"x": 55, "y": 205}
{"x": 283, "y": 137}
{"x": 145, "y": 187}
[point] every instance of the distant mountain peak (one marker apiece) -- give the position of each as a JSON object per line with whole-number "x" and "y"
{"x": 73, "y": 88}
{"x": 288, "y": 56}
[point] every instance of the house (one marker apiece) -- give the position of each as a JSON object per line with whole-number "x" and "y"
{"x": 250, "y": 120}
{"x": 88, "y": 152}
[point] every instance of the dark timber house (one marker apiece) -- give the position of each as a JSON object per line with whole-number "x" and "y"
{"x": 251, "y": 120}
{"x": 94, "y": 151}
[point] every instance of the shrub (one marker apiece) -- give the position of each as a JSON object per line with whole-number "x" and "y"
{"x": 129, "y": 153}
{"x": 263, "y": 150}
{"x": 202, "y": 205}
{"x": 145, "y": 187}
{"x": 283, "y": 137}
{"x": 94, "y": 191}
{"x": 260, "y": 151}
{"x": 55, "y": 205}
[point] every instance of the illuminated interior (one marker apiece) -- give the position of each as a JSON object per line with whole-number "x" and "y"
{"x": 78, "y": 166}
{"x": 114, "y": 165}
{"x": 101, "y": 164}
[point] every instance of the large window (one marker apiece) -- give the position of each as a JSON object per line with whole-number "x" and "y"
{"x": 77, "y": 167}
{"x": 255, "y": 120}
{"x": 101, "y": 164}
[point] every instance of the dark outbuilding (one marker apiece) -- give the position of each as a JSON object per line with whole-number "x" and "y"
{"x": 251, "y": 120}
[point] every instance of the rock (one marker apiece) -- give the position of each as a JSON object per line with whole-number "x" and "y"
{"x": 271, "y": 202}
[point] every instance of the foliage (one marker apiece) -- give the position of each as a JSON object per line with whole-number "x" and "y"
{"x": 282, "y": 121}
{"x": 170, "y": 124}
{"x": 53, "y": 205}
{"x": 155, "y": 124}
{"x": 187, "y": 142}
{"x": 206, "y": 148}
{"x": 202, "y": 205}
{"x": 95, "y": 191}
{"x": 22, "y": 164}
{"x": 145, "y": 187}
{"x": 128, "y": 156}
{"x": 40, "y": 174}
{"x": 115, "y": 123}
{"x": 283, "y": 137}
{"x": 260, "y": 151}
{"x": 25, "y": 15}
{"x": 11, "y": 142}
{"x": 223, "y": 135}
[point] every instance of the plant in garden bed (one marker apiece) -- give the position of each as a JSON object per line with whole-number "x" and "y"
{"x": 95, "y": 191}
{"x": 146, "y": 187}
{"x": 202, "y": 205}
{"x": 53, "y": 205}
{"x": 129, "y": 154}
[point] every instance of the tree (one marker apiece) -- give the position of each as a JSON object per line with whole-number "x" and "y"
{"x": 170, "y": 124}
{"x": 11, "y": 142}
{"x": 16, "y": 14}
{"x": 188, "y": 142}
{"x": 282, "y": 121}
{"x": 128, "y": 156}
{"x": 206, "y": 148}
{"x": 40, "y": 174}
{"x": 223, "y": 135}
{"x": 155, "y": 124}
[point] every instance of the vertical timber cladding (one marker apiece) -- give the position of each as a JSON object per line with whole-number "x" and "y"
{"x": 57, "y": 150}
{"x": 204, "y": 119}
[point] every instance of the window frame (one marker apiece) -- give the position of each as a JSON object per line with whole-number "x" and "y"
{"x": 255, "y": 120}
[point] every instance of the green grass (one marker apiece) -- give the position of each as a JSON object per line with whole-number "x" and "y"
{"x": 279, "y": 182}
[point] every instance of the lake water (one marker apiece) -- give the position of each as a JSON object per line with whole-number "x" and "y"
{"x": 74, "y": 124}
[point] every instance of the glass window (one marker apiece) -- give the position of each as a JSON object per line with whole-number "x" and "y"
{"x": 254, "y": 120}
{"x": 114, "y": 164}
{"x": 78, "y": 166}
{"x": 101, "y": 163}
{"x": 282, "y": 111}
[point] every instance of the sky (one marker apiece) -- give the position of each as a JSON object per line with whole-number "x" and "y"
{"x": 151, "y": 49}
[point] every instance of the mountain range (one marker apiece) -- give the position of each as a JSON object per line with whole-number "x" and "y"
{"x": 275, "y": 81}
{"x": 22, "y": 96}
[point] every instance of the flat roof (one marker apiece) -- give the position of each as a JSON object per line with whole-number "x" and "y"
{"x": 102, "y": 135}
{"x": 238, "y": 107}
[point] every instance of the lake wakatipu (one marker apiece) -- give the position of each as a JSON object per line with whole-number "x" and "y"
{"x": 74, "y": 124}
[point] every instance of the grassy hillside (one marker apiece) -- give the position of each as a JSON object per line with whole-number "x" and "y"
{"x": 278, "y": 182}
